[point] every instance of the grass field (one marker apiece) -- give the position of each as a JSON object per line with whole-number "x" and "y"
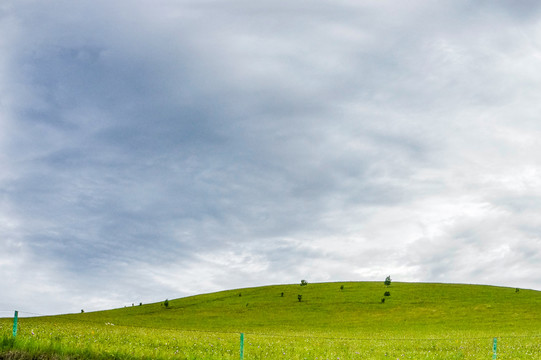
{"x": 417, "y": 321}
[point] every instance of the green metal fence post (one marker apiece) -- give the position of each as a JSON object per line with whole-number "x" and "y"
{"x": 495, "y": 348}
{"x": 241, "y": 346}
{"x": 15, "y": 320}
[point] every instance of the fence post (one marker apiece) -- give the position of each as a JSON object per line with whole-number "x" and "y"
{"x": 15, "y": 320}
{"x": 241, "y": 346}
{"x": 495, "y": 348}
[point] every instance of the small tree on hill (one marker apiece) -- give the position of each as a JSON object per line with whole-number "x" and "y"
{"x": 387, "y": 281}
{"x": 166, "y": 303}
{"x": 303, "y": 283}
{"x": 299, "y": 297}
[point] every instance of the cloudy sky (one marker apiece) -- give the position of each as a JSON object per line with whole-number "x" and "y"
{"x": 154, "y": 149}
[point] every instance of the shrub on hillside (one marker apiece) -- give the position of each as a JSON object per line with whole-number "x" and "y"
{"x": 303, "y": 283}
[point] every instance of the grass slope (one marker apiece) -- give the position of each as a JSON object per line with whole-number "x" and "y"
{"x": 417, "y": 321}
{"x": 325, "y": 307}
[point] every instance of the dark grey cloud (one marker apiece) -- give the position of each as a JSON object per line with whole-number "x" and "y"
{"x": 152, "y": 150}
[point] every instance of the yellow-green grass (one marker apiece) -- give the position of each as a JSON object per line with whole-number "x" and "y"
{"x": 417, "y": 321}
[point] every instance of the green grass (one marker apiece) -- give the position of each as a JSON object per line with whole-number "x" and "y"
{"x": 418, "y": 321}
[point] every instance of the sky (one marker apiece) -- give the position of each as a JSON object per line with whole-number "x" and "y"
{"x": 154, "y": 149}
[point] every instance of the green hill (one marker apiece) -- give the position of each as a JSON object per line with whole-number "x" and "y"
{"x": 328, "y": 307}
{"x": 332, "y": 320}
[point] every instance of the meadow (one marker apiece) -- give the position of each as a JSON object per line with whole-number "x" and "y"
{"x": 332, "y": 321}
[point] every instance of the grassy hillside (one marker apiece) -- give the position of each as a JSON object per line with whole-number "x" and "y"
{"x": 326, "y": 307}
{"x": 343, "y": 319}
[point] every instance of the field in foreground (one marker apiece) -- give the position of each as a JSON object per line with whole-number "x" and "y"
{"x": 332, "y": 321}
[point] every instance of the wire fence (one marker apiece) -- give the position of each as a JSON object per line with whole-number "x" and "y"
{"x": 69, "y": 318}
{"x": 20, "y": 313}
{"x": 255, "y": 340}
